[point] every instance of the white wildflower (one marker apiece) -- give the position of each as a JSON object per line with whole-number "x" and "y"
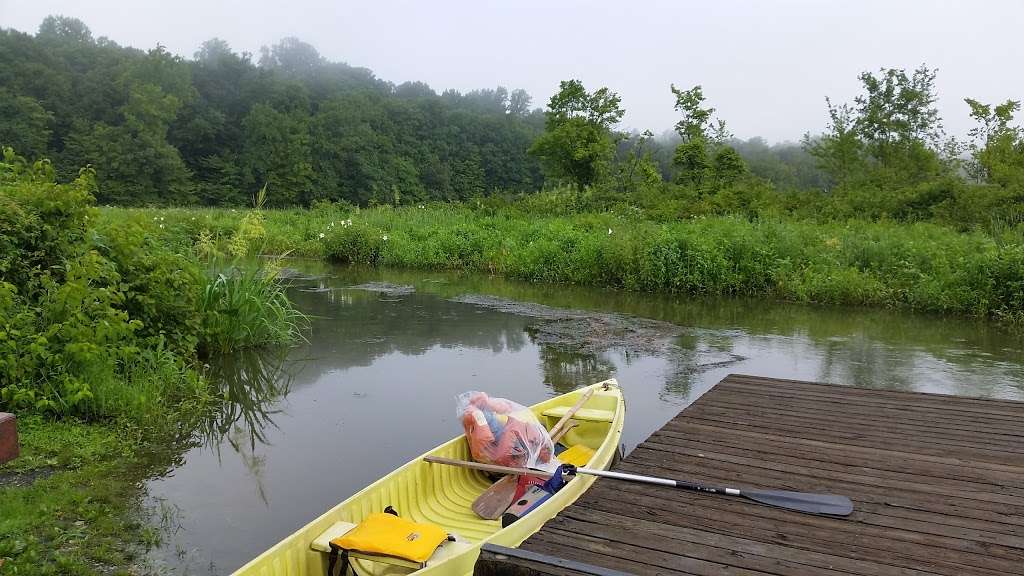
{"x": 348, "y": 222}
{"x": 609, "y": 231}
{"x": 384, "y": 237}
{"x": 321, "y": 235}
{"x": 161, "y": 225}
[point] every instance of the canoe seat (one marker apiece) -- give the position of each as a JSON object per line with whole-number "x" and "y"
{"x": 322, "y": 543}
{"x": 588, "y": 414}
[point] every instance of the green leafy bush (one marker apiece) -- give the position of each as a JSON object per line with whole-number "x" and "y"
{"x": 161, "y": 288}
{"x": 104, "y": 321}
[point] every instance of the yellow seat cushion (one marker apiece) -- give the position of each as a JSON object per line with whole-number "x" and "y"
{"x": 578, "y": 455}
{"x": 446, "y": 550}
{"x": 389, "y": 535}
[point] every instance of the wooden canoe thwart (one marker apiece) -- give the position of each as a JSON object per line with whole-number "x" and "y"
{"x": 444, "y": 496}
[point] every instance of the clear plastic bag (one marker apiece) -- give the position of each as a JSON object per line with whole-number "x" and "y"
{"x": 502, "y": 432}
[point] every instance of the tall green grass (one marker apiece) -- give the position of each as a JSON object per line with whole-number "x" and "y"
{"x": 244, "y": 307}
{"x": 923, "y": 266}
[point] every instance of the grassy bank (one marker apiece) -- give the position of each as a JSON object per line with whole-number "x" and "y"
{"x": 70, "y": 503}
{"x": 103, "y": 329}
{"x": 924, "y": 267}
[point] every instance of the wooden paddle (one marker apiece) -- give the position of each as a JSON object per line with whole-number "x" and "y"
{"x": 565, "y": 429}
{"x": 557, "y": 428}
{"x": 495, "y": 500}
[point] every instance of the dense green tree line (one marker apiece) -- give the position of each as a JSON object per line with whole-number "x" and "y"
{"x": 159, "y": 129}
{"x": 163, "y": 130}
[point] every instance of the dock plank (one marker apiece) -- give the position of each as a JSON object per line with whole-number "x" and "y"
{"x": 937, "y": 483}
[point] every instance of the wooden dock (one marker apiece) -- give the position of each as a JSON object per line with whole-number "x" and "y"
{"x": 937, "y": 484}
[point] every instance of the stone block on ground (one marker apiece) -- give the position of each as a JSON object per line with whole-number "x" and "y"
{"x": 8, "y": 437}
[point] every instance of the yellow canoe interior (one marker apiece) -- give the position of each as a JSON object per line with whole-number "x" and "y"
{"x": 442, "y": 495}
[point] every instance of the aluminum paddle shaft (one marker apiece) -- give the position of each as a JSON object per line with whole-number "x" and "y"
{"x": 809, "y": 503}
{"x": 806, "y": 502}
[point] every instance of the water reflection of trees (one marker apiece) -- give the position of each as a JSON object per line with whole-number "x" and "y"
{"x": 354, "y": 327}
{"x": 249, "y": 383}
{"x": 861, "y": 362}
{"x": 565, "y": 371}
{"x": 943, "y": 337}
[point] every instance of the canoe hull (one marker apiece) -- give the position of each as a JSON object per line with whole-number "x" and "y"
{"x": 443, "y": 495}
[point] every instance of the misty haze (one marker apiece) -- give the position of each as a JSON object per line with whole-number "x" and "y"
{"x": 250, "y": 252}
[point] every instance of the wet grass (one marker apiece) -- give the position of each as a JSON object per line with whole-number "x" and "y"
{"x": 69, "y": 504}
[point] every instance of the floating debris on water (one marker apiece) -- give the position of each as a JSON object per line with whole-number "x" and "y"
{"x": 294, "y": 274}
{"x": 385, "y": 288}
{"x": 583, "y": 331}
{"x": 594, "y": 333}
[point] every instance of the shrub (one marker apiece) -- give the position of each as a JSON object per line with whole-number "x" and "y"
{"x": 103, "y": 321}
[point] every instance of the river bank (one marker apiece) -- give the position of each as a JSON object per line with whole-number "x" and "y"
{"x": 921, "y": 267}
{"x": 71, "y": 502}
{"x": 105, "y": 336}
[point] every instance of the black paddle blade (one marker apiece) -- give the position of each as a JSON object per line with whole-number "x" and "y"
{"x": 824, "y": 504}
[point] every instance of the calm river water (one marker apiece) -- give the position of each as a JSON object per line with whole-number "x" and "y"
{"x": 375, "y": 384}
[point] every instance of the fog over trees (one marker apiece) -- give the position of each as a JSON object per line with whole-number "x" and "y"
{"x": 164, "y": 130}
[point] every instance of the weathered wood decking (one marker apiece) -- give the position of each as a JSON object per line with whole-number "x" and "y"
{"x": 937, "y": 484}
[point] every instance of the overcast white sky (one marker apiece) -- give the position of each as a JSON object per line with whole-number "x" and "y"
{"x": 766, "y": 66}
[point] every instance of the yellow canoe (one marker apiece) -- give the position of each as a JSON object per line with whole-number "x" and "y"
{"x": 442, "y": 495}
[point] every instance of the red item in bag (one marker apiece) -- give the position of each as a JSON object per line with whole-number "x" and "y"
{"x": 502, "y": 432}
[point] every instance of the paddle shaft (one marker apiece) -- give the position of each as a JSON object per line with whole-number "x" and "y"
{"x": 661, "y": 481}
{"x": 604, "y": 473}
{"x": 565, "y": 429}
{"x": 810, "y": 503}
{"x": 579, "y": 404}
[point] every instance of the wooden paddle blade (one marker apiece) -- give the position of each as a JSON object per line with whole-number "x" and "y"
{"x": 808, "y": 503}
{"x": 495, "y": 500}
